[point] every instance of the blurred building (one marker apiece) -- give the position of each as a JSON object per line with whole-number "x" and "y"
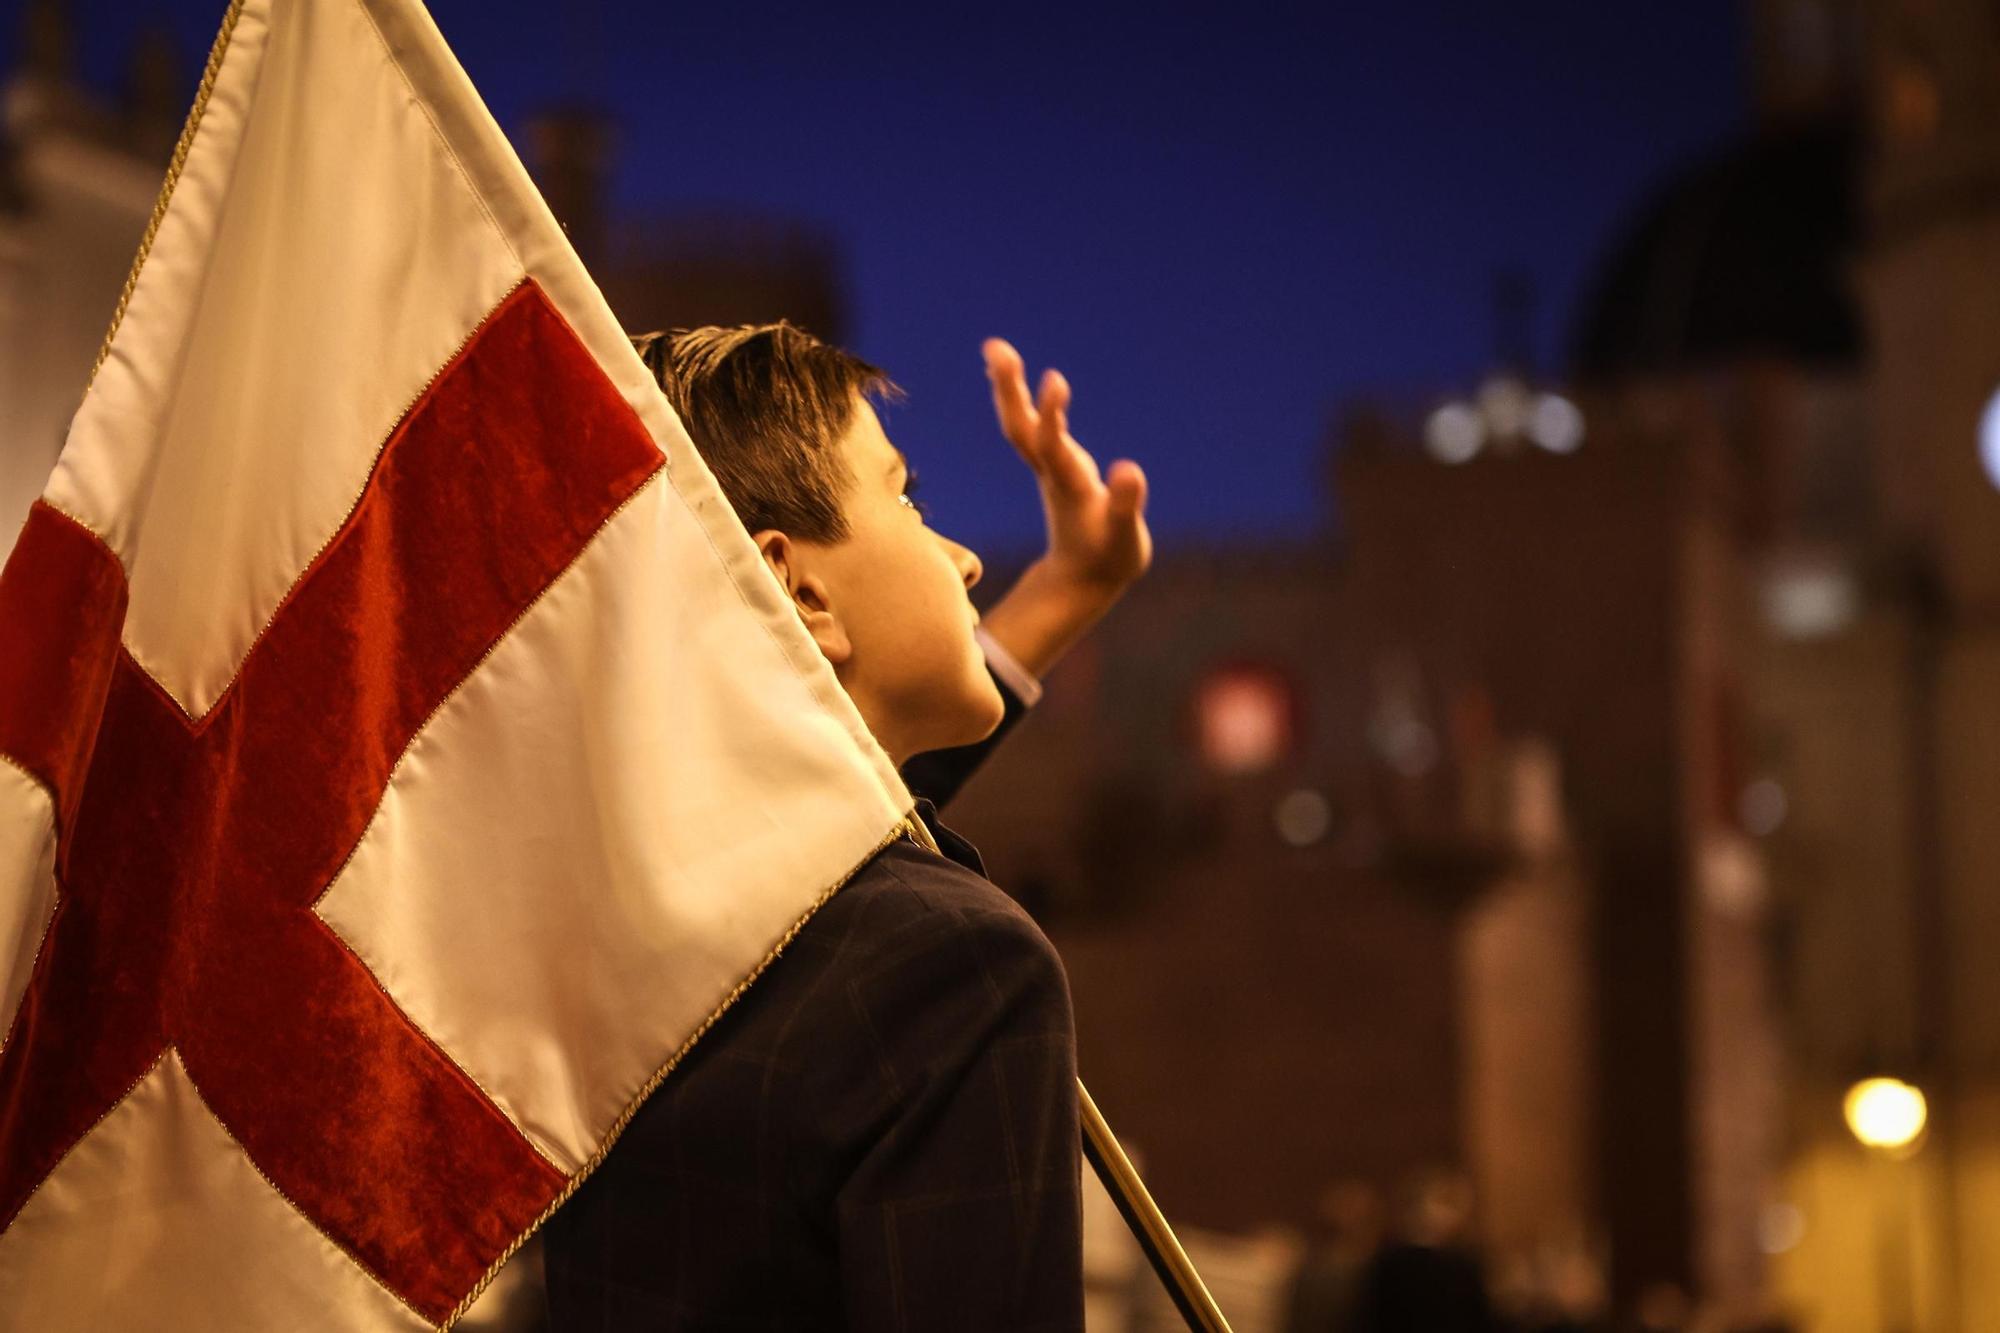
{"x": 1373, "y": 857}
{"x": 1823, "y": 307}
{"x": 1893, "y": 724}
{"x": 1595, "y": 816}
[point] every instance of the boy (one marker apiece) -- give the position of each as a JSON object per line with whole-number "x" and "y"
{"x": 882, "y": 1133}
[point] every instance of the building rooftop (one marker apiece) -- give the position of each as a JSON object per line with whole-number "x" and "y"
{"x": 1741, "y": 255}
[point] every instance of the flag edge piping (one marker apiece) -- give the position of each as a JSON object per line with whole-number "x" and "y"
{"x": 907, "y": 826}
{"x": 217, "y": 51}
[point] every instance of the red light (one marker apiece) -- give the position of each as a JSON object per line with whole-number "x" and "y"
{"x": 1246, "y": 719}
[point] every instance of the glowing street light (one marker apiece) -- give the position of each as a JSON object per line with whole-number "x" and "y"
{"x": 1503, "y": 414}
{"x": 1886, "y": 1114}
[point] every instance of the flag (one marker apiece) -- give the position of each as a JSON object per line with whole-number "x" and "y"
{"x": 404, "y": 754}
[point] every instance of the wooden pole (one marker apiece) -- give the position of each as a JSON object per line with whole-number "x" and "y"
{"x": 1141, "y": 1214}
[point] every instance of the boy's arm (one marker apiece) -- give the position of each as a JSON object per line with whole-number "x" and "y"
{"x": 1098, "y": 546}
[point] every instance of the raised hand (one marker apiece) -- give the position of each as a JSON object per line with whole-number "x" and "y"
{"x": 1098, "y": 542}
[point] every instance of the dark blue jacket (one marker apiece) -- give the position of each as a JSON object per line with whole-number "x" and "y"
{"x": 880, "y": 1135}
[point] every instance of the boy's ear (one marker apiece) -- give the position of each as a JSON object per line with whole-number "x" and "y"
{"x": 791, "y": 565}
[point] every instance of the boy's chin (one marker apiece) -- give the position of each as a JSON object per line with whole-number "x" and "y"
{"x": 975, "y": 717}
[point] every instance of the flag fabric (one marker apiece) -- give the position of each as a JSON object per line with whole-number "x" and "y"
{"x": 404, "y": 754}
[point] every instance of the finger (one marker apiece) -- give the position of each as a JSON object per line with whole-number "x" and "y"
{"x": 1067, "y": 465}
{"x": 1127, "y": 483}
{"x": 1052, "y": 409}
{"x": 1127, "y": 512}
{"x": 1010, "y": 394}
{"x": 1053, "y": 398}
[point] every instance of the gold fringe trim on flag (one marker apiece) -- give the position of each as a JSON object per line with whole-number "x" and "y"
{"x": 174, "y": 168}
{"x": 912, "y": 828}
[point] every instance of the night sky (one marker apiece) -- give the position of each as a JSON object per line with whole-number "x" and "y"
{"x": 1221, "y": 222}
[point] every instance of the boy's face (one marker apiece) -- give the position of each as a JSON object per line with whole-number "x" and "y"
{"x": 888, "y": 607}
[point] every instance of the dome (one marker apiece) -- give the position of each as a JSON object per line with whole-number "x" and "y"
{"x": 1744, "y": 255}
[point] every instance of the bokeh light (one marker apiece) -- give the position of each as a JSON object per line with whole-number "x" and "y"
{"x": 1886, "y": 1113}
{"x": 1556, "y": 424}
{"x": 1303, "y": 817}
{"x": 1989, "y": 438}
{"x": 1454, "y": 433}
{"x": 1245, "y": 719}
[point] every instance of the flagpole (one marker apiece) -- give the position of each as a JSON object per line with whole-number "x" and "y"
{"x": 1177, "y": 1274}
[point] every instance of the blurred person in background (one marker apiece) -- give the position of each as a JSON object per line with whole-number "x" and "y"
{"x": 1348, "y": 1231}
{"x": 1560, "y": 1287}
{"x": 1428, "y": 1279}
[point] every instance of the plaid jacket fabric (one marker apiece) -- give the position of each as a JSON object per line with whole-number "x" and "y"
{"x": 881, "y": 1134}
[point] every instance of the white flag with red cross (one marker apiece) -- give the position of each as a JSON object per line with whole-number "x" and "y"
{"x": 404, "y": 754}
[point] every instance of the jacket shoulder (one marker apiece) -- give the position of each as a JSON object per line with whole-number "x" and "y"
{"x": 908, "y": 898}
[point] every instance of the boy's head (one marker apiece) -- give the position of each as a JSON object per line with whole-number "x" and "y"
{"x": 786, "y": 424}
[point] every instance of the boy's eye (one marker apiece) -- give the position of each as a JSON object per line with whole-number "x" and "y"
{"x": 908, "y": 499}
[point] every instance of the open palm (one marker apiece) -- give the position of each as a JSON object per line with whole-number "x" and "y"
{"x": 1096, "y": 520}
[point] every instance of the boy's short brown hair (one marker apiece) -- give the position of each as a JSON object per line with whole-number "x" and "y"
{"x": 765, "y": 404}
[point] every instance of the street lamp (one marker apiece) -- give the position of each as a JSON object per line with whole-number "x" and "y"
{"x": 1886, "y": 1115}
{"x": 1504, "y": 415}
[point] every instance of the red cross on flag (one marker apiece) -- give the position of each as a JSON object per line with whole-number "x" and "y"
{"x": 404, "y": 754}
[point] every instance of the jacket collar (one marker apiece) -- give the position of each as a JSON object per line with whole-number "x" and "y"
{"x": 954, "y": 847}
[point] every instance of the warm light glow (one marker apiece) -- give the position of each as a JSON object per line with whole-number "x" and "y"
{"x": 1780, "y": 1228}
{"x": 1454, "y": 433}
{"x": 1886, "y": 1113}
{"x": 1245, "y": 718}
{"x": 1809, "y": 596}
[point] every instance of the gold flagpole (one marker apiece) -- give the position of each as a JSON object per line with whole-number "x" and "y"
{"x": 1155, "y": 1237}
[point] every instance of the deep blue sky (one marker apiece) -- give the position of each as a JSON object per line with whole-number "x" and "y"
{"x": 1221, "y": 221}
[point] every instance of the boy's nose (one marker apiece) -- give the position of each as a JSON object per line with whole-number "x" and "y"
{"x": 968, "y": 564}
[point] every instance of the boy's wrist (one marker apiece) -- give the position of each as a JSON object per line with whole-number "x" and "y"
{"x": 1047, "y": 610}
{"x": 1080, "y": 596}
